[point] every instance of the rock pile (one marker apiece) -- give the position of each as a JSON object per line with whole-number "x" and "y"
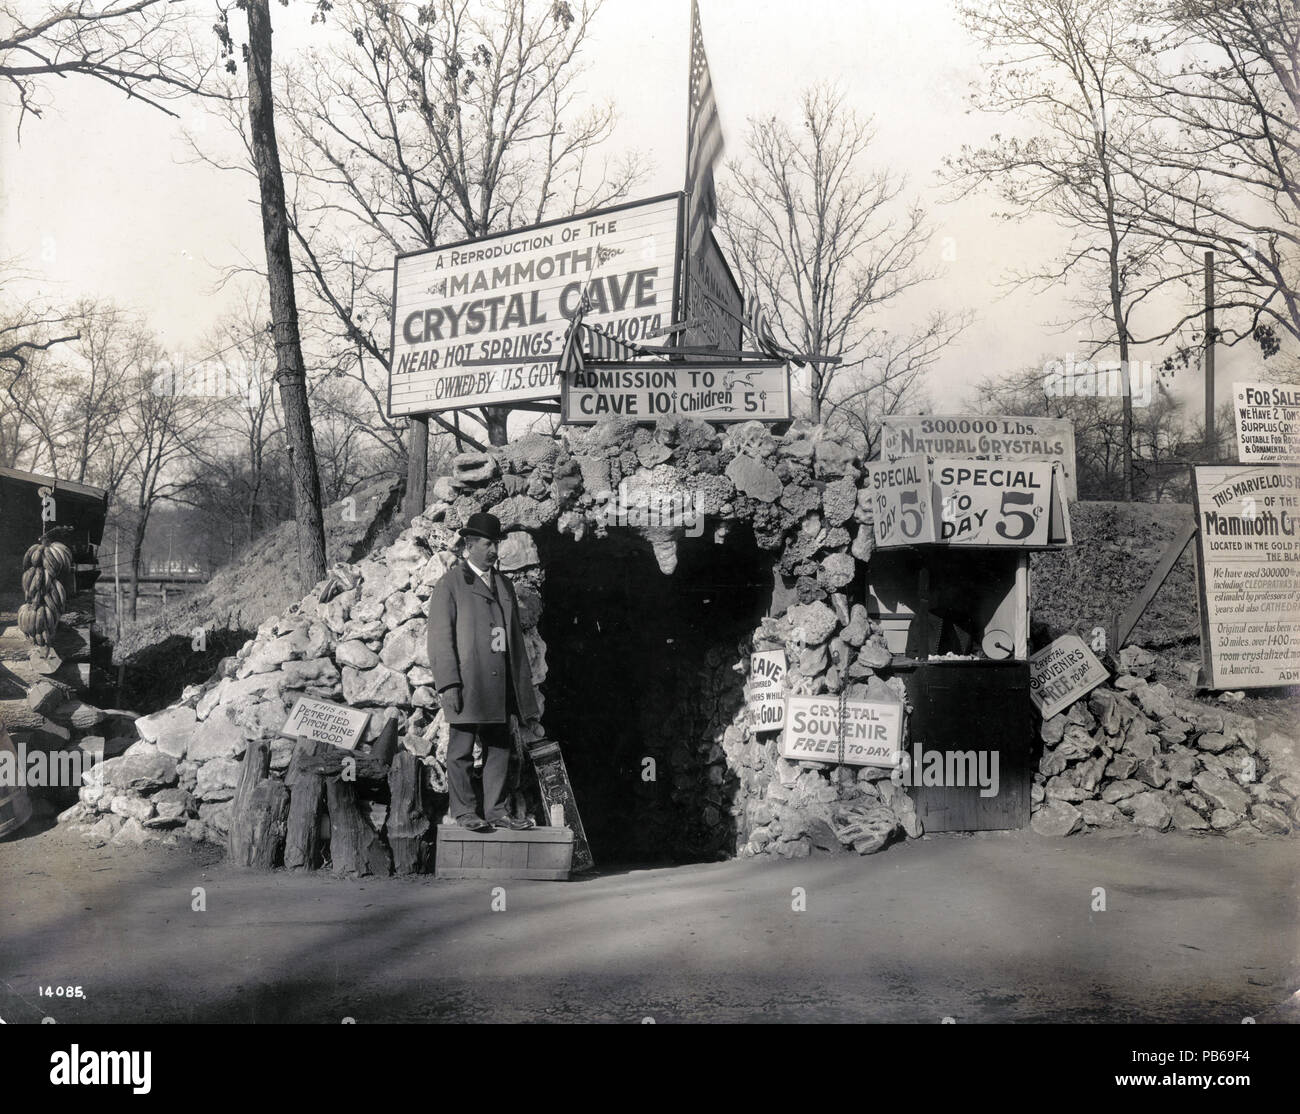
{"x": 366, "y": 646}
{"x": 1132, "y": 753}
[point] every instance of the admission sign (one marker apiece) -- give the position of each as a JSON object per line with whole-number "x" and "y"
{"x": 1248, "y": 565}
{"x": 508, "y": 298}
{"x": 646, "y": 391}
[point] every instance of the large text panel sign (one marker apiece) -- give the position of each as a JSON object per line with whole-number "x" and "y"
{"x": 1248, "y": 550}
{"x": 901, "y": 502}
{"x": 325, "y": 723}
{"x": 873, "y": 731}
{"x": 1268, "y": 423}
{"x": 996, "y": 437}
{"x": 1061, "y": 673}
{"x": 986, "y": 503}
{"x": 767, "y": 690}
{"x": 510, "y": 297}
{"x": 646, "y": 392}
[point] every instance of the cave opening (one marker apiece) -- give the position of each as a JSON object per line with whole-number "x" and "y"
{"x": 641, "y": 684}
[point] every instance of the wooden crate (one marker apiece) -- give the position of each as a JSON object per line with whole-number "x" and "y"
{"x": 541, "y": 853}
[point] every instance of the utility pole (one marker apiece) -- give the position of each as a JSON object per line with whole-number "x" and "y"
{"x": 1211, "y": 442}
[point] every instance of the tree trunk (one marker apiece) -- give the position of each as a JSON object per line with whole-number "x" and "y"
{"x": 289, "y": 371}
{"x": 137, "y": 545}
{"x": 417, "y": 468}
{"x": 496, "y": 418}
{"x": 407, "y": 824}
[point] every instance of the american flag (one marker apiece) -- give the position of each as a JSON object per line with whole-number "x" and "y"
{"x": 704, "y": 144}
{"x": 571, "y": 353}
{"x": 604, "y": 346}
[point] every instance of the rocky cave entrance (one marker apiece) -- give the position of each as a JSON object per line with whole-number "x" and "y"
{"x": 640, "y": 666}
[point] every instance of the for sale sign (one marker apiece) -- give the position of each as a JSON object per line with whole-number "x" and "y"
{"x": 1061, "y": 673}
{"x": 767, "y": 690}
{"x": 869, "y": 733}
{"x": 336, "y": 724}
{"x": 1268, "y": 423}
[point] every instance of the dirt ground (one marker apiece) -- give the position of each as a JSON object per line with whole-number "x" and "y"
{"x": 980, "y": 929}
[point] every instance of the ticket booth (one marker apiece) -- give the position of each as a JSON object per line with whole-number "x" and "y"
{"x": 949, "y": 584}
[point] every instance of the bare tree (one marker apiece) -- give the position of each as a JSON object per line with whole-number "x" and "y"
{"x": 1220, "y": 92}
{"x": 140, "y": 47}
{"x": 826, "y": 242}
{"x": 1065, "y": 68}
{"x": 433, "y": 123}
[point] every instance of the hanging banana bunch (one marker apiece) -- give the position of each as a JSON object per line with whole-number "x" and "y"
{"x": 43, "y": 565}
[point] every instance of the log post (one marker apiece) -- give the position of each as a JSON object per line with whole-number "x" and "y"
{"x": 303, "y": 846}
{"x": 355, "y": 847}
{"x": 407, "y": 824}
{"x": 259, "y": 812}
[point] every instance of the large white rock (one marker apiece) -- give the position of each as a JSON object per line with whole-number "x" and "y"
{"x": 170, "y": 729}
{"x": 408, "y": 645}
{"x": 380, "y": 686}
{"x": 131, "y": 807}
{"x": 355, "y": 653}
{"x": 217, "y": 780}
{"x": 218, "y": 736}
{"x": 401, "y": 608}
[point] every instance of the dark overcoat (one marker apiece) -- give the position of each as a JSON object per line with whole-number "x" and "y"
{"x": 462, "y": 615}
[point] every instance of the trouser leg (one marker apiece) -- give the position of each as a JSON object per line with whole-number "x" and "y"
{"x": 495, "y": 741}
{"x": 460, "y": 763}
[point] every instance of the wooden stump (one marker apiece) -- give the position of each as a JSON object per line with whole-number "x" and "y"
{"x": 407, "y": 824}
{"x": 303, "y": 846}
{"x": 259, "y": 812}
{"x": 355, "y": 847}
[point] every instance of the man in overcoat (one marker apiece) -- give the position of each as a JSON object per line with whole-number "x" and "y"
{"x": 480, "y": 667}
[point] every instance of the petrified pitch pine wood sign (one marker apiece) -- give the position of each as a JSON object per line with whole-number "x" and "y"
{"x": 510, "y": 296}
{"x": 324, "y": 722}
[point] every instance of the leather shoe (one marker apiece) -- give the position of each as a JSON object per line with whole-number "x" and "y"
{"x": 474, "y": 823}
{"x": 513, "y": 824}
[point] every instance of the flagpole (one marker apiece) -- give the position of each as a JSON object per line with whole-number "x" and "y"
{"x": 685, "y": 232}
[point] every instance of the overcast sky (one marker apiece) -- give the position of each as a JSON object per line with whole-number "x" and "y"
{"x": 99, "y": 200}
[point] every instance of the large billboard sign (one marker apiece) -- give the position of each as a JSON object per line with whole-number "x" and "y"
{"x": 982, "y": 436}
{"x": 1248, "y": 566}
{"x": 507, "y": 298}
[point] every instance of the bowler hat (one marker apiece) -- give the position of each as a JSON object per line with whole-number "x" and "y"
{"x": 482, "y": 525}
